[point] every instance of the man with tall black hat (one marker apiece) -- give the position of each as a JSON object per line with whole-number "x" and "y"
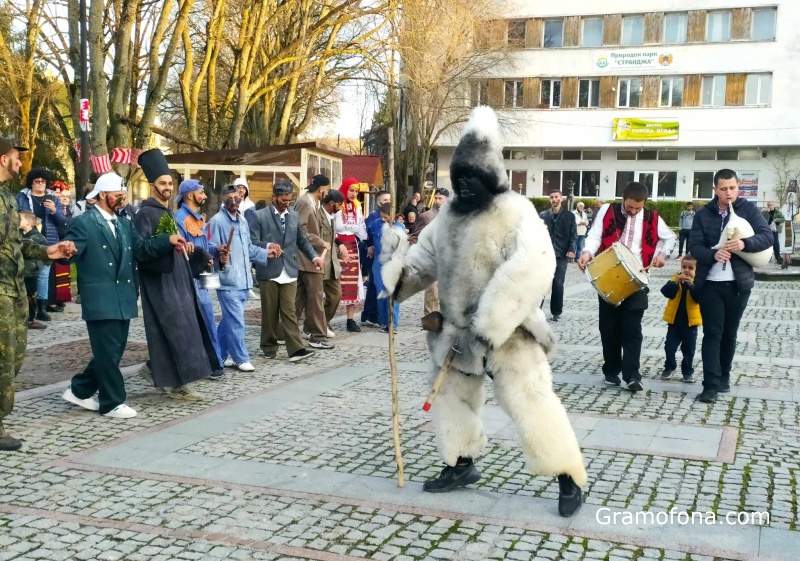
{"x": 181, "y": 350}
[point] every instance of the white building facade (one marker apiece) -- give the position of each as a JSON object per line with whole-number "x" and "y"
{"x": 662, "y": 92}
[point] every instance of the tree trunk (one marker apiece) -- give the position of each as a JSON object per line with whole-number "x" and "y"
{"x": 120, "y": 81}
{"x": 97, "y": 79}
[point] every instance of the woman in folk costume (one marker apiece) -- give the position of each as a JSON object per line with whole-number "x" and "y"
{"x": 493, "y": 260}
{"x": 349, "y": 229}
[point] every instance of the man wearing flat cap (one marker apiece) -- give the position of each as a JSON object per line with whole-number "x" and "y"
{"x": 193, "y": 227}
{"x": 431, "y": 303}
{"x": 279, "y": 224}
{"x": 13, "y": 296}
{"x": 310, "y": 283}
{"x": 181, "y": 350}
{"x": 106, "y": 250}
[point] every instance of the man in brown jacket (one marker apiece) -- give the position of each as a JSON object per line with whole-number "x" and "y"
{"x": 332, "y": 272}
{"x": 310, "y": 282}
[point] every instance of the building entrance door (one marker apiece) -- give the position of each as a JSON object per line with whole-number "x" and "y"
{"x": 648, "y": 179}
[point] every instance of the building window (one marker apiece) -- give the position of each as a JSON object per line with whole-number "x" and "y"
{"x": 647, "y": 155}
{"x": 633, "y": 30}
{"x": 728, "y": 155}
{"x": 758, "y": 89}
{"x": 623, "y": 178}
{"x": 572, "y": 154}
{"x": 626, "y": 154}
{"x": 589, "y": 93}
{"x": 592, "y": 35}
{"x": 516, "y": 32}
{"x": 551, "y": 93}
{"x": 714, "y": 91}
{"x": 553, "y": 33}
{"x": 583, "y": 183}
{"x": 592, "y": 155}
{"x": 675, "y": 28}
{"x": 764, "y": 25}
{"x": 669, "y": 155}
{"x": 703, "y": 185}
{"x": 630, "y": 90}
{"x": 749, "y": 154}
{"x": 718, "y": 28}
{"x": 518, "y": 179}
{"x": 478, "y": 93}
{"x": 551, "y": 155}
{"x": 671, "y": 92}
{"x": 513, "y": 97}
{"x": 550, "y": 180}
{"x": 705, "y": 155}
{"x": 667, "y": 184}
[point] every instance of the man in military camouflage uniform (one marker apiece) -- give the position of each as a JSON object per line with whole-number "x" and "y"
{"x": 13, "y": 297}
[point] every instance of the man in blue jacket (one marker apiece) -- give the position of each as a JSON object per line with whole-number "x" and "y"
{"x": 192, "y": 226}
{"x": 723, "y": 279}
{"x": 236, "y": 279}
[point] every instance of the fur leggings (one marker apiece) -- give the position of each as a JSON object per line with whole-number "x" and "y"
{"x": 524, "y": 388}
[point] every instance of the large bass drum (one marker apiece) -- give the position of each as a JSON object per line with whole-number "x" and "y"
{"x": 616, "y": 274}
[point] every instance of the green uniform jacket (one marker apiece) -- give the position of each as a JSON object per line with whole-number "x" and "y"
{"x": 13, "y": 247}
{"x": 106, "y": 264}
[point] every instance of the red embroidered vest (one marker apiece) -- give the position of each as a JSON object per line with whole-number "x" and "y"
{"x": 614, "y": 224}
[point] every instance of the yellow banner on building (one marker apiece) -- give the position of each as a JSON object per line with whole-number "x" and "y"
{"x": 644, "y": 129}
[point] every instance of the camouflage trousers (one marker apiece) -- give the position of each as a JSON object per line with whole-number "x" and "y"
{"x": 13, "y": 340}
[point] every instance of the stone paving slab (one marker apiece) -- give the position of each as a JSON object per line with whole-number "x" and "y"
{"x": 283, "y": 467}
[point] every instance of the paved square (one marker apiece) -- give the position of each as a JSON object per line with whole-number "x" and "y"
{"x": 296, "y": 461}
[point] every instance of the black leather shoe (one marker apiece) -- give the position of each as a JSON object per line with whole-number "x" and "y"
{"x": 570, "y": 497}
{"x": 708, "y": 396}
{"x": 452, "y": 478}
{"x": 8, "y": 443}
{"x": 352, "y": 326}
{"x": 724, "y": 387}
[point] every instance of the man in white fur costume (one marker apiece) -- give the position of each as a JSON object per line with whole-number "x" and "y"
{"x": 492, "y": 256}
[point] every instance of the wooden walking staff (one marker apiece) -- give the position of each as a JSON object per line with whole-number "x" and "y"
{"x": 398, "y": 453}
{"x": 230, "y": 241}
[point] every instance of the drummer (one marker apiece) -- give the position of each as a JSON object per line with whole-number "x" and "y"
{"x": 192, "y": 226}
{"x": 651, "y": 241}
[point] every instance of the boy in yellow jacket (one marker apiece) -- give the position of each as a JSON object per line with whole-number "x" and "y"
{"x": 683, "y": 316}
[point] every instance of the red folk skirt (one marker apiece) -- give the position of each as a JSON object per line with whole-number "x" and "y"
{"x": 352, "y": 282}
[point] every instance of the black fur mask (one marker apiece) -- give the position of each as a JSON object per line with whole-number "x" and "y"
{"x": 474, "y": 189}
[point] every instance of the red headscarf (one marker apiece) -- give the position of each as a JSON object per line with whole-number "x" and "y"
{"x": 349, "y": 207}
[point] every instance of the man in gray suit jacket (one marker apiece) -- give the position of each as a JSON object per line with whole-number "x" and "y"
{"x": 278, "y": 224}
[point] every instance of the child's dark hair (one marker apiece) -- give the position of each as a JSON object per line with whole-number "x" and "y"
{"x": 689, "y": 257}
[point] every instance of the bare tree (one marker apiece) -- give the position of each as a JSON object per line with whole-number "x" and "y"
{"x": 785, "y": 163}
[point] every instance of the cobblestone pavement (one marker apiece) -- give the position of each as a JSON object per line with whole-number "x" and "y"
{"x": 295, "y": 461}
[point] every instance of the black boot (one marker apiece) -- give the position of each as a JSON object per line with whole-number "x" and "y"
{"x": 570, "y": 497}
{"x": 352, "y": 326}
{"x": 462, "y": 474}
{"x": 31, "y": 309}
{"x": 42, "y": 313}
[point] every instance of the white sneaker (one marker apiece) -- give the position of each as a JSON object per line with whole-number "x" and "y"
{"x": 306, "y": 335}
{"x": 89, "y": 403}
{"x": 246, "y": 367}
{"x": 121, "y": 412}
{"x": 228, "y": 363}
{"x": 281, "y": 342}
{"x": 331, "y": 334}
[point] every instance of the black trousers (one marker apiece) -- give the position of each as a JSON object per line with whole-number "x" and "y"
{"x": 776, "y": 247}
{"x": 684, "y": 337}
{"x": 722, "y": 306}
{"x": 108, "y": 339}
{"x": 683, "y": 241}
{"x": 557, "y": 292}
{"x": 621, "y": 335}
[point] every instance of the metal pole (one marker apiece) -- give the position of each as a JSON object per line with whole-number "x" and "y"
{"x": 84, "y": 71}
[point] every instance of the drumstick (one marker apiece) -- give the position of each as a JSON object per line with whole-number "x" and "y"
{"x": 437, "y": 384}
